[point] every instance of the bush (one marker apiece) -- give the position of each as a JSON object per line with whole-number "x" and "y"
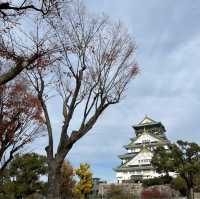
{"x": 157, "y": 181}
{"x": 179, "y": 185}
{"x": 151, "y": 194}
{"x": 117, "y": 192}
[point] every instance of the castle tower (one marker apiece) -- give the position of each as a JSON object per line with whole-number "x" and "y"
{"x": 136, "y": 163}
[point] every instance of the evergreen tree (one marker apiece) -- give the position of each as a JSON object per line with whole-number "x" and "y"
{"x": 23, "y": 176}
{"x": 183, "y": 158}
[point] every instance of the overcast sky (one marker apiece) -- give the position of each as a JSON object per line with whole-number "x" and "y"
{"x": 167, "y": 89}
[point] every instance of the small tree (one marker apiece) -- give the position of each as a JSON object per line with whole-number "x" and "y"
{"x": 179, "y": 184}
{"x": 85, "y": 184}
{"x": 183, "y": 158}
{"x": 21, "y": 119}
{"x": 23, "y": 176}
{"x": 68, "y": 182}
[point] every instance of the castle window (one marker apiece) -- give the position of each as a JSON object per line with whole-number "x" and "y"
{"x": 145, "y": 141}
{"x": 144, "y": 161}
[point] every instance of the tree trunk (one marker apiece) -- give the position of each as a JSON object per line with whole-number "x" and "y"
{"x": 54, "y": 179}
{"x": 190, "y": 193}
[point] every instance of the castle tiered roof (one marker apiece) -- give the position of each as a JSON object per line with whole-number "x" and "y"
{"x": 148, "y": 122}
{"x": 137, "y": 160}
{"x": 153, "y": 140}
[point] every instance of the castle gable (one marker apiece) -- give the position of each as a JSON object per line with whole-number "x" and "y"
{"x": 145, "y": 138}
{"x": 147, "y": 120}
{"x": 142, "y": 158}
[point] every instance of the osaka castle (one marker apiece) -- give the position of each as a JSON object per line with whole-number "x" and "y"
{"x": 136, "y": 163}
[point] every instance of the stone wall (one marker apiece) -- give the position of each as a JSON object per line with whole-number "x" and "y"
{"x": 133, "y": 188}
{"x": 137, "y": 190}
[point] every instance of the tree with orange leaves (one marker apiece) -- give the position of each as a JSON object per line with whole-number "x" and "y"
{"x": 21, "y": 119}
{"x": 67, "y": 180}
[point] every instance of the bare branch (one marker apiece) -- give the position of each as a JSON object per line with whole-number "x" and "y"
{"x": 44, "y": 7}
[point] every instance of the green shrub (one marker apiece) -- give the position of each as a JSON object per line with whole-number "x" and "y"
{"x": 179, "y": 184}
{"x": 157, "y": 181}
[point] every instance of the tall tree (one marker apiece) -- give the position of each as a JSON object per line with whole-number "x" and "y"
{"x": 97, "y": 61}
{"x": 85, "y": 184}
{"x": 183, "y": 159}
{"x": 21, "y": 119}
{"x": 23, "y": 178}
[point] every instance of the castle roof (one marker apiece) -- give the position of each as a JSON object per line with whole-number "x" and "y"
{"x": 147, "y": 122}
{"x": 127, "y": 155}
{"x": 155, "y": 140}
{"x": 128, "y": 165}
{"x": 133, "y": 168}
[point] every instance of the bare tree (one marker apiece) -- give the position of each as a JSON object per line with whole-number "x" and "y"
{"x": 19, "y": 44}
{"x": 16, "y": 8}
{"x": 22, "y": 47}
{"x": 15, "y": 62}
{"x": 97, "y": 61}
{"x": 21, "y": 119}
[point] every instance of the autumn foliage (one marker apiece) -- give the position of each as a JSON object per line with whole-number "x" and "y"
{"x": 67, "y": 180}
{"x": 85, "y": 184}
{"x": 20, "y": 118}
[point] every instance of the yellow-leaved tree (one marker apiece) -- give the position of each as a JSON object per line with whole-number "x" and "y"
{"x": 85, "y": 184}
